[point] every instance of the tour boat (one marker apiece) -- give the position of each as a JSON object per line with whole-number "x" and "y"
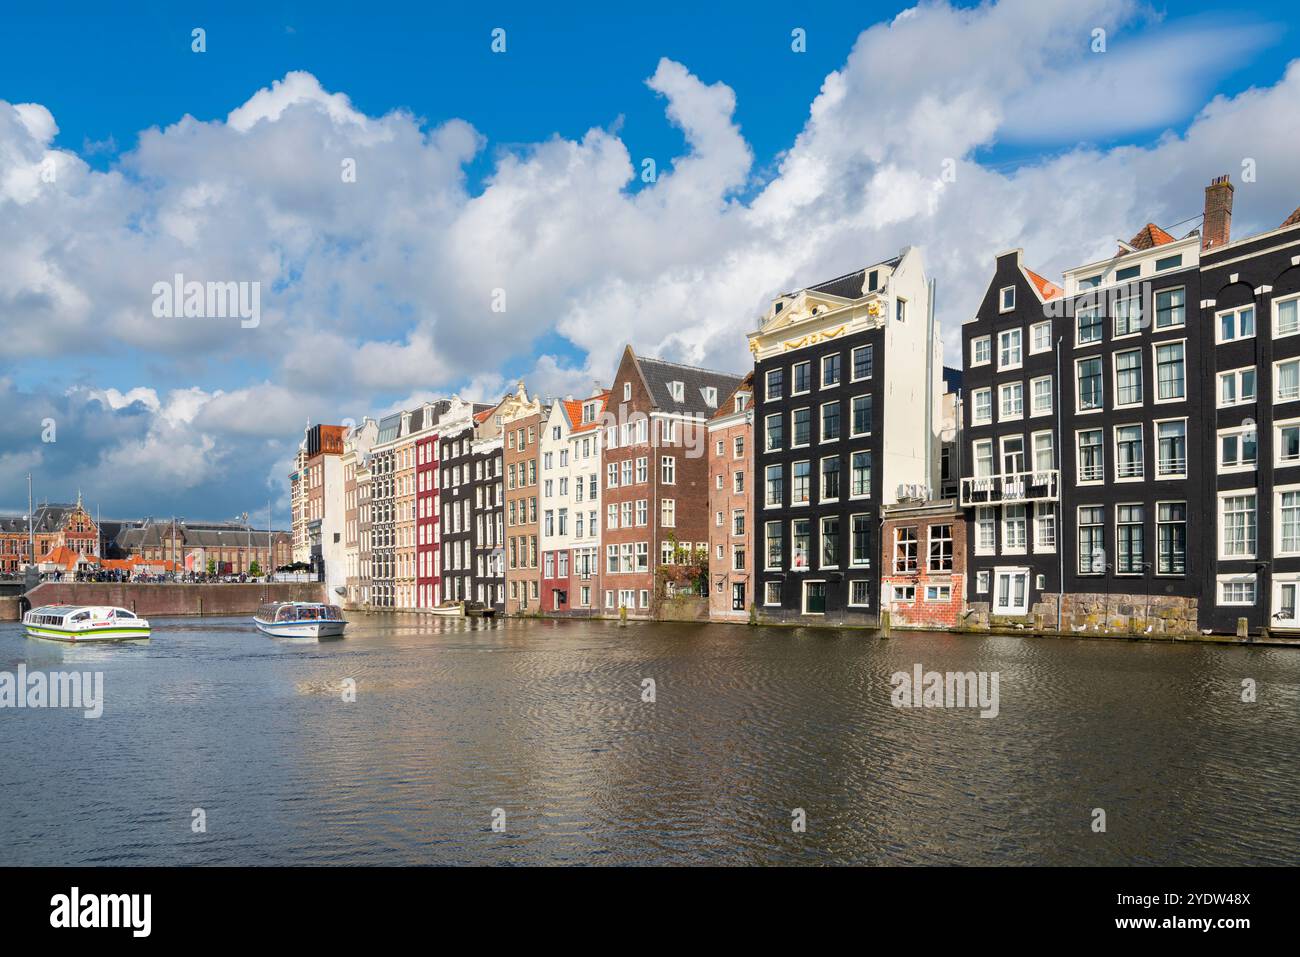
{"x": 300, "y": 619}
{"x": 78, "y": 623}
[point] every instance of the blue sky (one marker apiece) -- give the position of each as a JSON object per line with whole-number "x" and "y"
{"x": 548, "y": 138}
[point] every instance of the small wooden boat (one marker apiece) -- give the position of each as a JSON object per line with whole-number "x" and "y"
{"x": 449, "y": 609}
{"x": 78, "y": 623}
{"x": 300, "y": 619}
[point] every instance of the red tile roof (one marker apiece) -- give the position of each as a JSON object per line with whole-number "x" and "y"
{"x": 1292, "y": 219}
{"x": 1046, "y": 288}
{"x": 1150, "y": 235}
{"x": 573, "y": 407}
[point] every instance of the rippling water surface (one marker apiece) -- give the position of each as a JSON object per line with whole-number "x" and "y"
{"x": 545, "y": 720}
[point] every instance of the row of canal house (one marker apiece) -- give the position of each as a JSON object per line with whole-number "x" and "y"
{"x": 1120, "y": 452}
{"x": 1133, "y": 435}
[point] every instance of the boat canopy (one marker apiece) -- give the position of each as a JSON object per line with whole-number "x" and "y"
{"x": 299, "y": 611}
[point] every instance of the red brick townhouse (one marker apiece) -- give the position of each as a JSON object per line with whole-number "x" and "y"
{"x": 655, "y": 475}
{"x": 923, "y": 563}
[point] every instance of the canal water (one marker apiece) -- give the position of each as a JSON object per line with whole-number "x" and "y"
{"x": 542, "y": 728}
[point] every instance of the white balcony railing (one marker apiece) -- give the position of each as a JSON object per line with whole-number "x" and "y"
{"x": 1037, "y": 486}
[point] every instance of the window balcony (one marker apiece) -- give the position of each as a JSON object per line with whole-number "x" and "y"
{"x": 1012, "y": 489}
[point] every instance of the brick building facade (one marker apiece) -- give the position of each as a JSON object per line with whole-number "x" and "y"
{"x": 923, "y": 564}
{"x": 731, "y": 531}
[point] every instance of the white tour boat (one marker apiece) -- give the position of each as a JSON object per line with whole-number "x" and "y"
{"x": 300, "y": 619}
{"x": 84, "y": 623}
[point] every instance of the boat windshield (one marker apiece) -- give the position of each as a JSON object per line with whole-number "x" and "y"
{"x": 285, "y": 613}
{"x": 123, "y": 613}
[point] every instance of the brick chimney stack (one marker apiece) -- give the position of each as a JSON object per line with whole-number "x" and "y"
{"x": 1217, "y": 226}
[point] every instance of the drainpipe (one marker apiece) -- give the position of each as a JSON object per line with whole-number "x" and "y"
{"x": 929, "y": 388}
{"x": 1060, "y": 492}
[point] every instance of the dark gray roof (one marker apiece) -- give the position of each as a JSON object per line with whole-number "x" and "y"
{"x": 45, "y": 518}
{"x": 658, "y": 374}
{"x": 389, "y": 426}
{"x": 851, "y": 286}
{"x": 207, "y": 535}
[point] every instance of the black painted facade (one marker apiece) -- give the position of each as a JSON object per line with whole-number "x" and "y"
{"x": 792, "y": 590}
{"x": 1124, "y": 458}
{"x": 488, "y": 493}
{"x": 1262, "y": 273}
{"x": 455, "y": 544}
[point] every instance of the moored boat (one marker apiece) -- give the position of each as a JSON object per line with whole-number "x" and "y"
{"x": 300, "y": 619}
{"x": 78, "y": 623}
{"x": 450, "y": 609}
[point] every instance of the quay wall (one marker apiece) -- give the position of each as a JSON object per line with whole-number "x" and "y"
{"x": 160, "y": 600}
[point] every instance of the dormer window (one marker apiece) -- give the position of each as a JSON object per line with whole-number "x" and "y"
{"x": 1007, "y": 299}
{"x": 588, "y": 412}
{"x": 741, "y": 402}
{"x": 677, "y": 390}
{"x": 710, "y": 396}
{"x": 873, "y": 280}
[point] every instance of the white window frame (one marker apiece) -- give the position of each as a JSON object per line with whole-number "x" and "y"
{"x": 1236, "y": 579}
{"x": 792, "y": 444}
{"x": 1003, "y": 305}
{"x": 1235, "y": 312}
{"x": 1155, "y": 308}
{"x": 1155, "y": 448}
{"x": 838, "y": 382}
{"x": 1114, "y": 438}
{"x": 1278, "y": 426}
{"x": 1004, "y": 389}
{"x": 768, "y": 395}
{"x": 1277, "y": 308}
{"x": 1278, "y": 491}
{"x": 1235, "y": 431}
{"x": 1101, "y": 406}
{"x": 1277, "y": 366}
{"x": 975, "y": 344}
{"x": 821, "y": 421}
{"x": 853, "y": 364}
{"x": 767, "y": 594}
{"x": 1219, "y": 526}
{"x": 1031, "y": 455}
{"x": 1034, "y": 329}
{"x": 1043, "y": 511}
{"x": 1114, "y": 371}
{"x": 976, "y": 419}
{"x": 1034, "y": 410}
{"x": 1006, "y": 547}
{"x": 1155, "y": 371}
{"x": 859, "y": 604}
{"x": 985, "y": 514}
{"x": 1020, "y": 349}
{"x": 795, "y": 365}
{"x": 942, "y": 593}
{"x": 1078, "y": 458}
{"x": 1236, "y": 376}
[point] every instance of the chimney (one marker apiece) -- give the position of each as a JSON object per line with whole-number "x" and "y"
{"x": 1217, "y": 226}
